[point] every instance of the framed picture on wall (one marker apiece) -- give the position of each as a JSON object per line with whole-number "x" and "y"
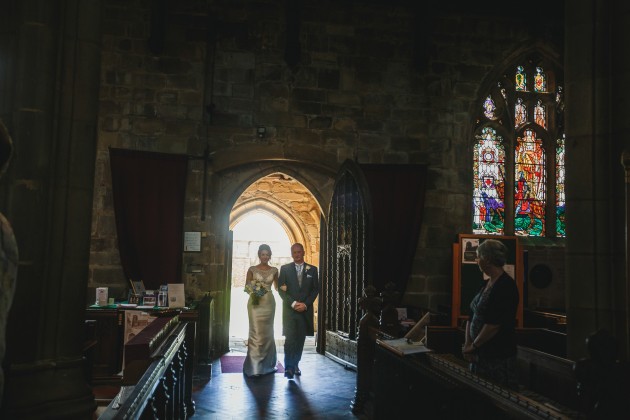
{"x": 469, "y": 250}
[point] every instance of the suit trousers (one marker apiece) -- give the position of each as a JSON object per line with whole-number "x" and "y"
{"x": 295, "y": 336}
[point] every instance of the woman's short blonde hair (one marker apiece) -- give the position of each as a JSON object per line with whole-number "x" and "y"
{"x": 493, "y": 251}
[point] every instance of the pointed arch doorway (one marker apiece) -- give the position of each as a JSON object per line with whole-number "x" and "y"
{"x": 277, "y": 200}
{"x": 256, "y": 228}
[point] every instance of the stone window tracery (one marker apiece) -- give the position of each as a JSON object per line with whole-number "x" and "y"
{"x": 518, "y": 153}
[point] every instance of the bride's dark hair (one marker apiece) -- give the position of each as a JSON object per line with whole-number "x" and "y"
{"x": 264, "y": 247}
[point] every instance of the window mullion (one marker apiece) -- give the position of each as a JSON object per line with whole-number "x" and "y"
{"x": 550, "y": 206}
{"x": 509, "y": 182}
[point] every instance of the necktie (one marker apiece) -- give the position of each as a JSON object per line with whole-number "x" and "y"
{"x": 299, "y": 274}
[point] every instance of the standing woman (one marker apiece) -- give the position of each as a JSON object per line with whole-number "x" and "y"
{"x": 261, "y": 346}
{"x": 490, "y": 344}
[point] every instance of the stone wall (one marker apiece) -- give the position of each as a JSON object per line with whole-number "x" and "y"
{"x": 377, "y": 83}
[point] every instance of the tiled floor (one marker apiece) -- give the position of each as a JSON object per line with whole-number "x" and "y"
{"x": 324, "y": 391}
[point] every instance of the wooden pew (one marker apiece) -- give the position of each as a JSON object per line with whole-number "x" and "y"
{"x": 157, "y": 379}
{"x": 541, "y": 367}
{"x": 439, "y": 384}
{"x": 544, "y": 319}
{"x": 544, "y": 340}
{"x": 548, "y": 375}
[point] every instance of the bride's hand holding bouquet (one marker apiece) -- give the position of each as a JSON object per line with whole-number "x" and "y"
{"x": 256, "y": 289}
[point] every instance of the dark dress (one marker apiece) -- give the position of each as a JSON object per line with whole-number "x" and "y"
{"x": 496, "y": 306}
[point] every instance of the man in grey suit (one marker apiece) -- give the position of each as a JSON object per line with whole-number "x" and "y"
{"x": 298, "y": 286}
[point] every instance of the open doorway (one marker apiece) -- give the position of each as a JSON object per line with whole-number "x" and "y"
{"x": 277, "y": 210}
{"x": 255, "y": 228}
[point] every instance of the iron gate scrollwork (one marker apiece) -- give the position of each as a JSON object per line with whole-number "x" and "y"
{"x": 346, "y": 234}
{"x": 371, "y": 236}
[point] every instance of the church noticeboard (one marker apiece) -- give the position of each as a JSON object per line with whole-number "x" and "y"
{"x": 467, "y": 278}
{"x": 192, "y": 241}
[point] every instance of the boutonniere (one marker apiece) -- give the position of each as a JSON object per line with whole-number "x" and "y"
{"x": 306, "y": 267}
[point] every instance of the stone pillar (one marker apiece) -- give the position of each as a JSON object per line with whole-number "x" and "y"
{"x": 625, "y": 161}
{"x": 53, "y": 50}
{"x": 8, "y": 256}
{"x": 597, "y": 130}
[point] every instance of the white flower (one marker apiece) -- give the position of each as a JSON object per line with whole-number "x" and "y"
{"x": 256, "y": 287}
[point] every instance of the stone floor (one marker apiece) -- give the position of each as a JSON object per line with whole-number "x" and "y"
{"x": 324, "y": 391}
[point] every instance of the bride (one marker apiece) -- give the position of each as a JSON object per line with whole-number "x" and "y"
{"x": 261, "y": 346}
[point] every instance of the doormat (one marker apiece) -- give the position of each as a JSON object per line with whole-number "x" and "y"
{"x": 234, "y": 364}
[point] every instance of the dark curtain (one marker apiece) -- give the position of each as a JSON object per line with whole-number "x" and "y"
{"x": 149, "y": 191}
{"x": 396, "y": 200}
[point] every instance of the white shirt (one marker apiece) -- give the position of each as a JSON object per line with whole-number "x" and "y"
{"x": 299, "y": 270}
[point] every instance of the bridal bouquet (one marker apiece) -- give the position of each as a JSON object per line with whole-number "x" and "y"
{"x": 256, "y": 289}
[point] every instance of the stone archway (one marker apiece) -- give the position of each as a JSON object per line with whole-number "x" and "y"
{"x": 291, "y": 204}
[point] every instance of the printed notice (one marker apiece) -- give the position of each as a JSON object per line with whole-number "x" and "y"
{"x": 192, "y": 241}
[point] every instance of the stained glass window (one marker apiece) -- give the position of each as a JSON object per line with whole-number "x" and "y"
{"x": 530, "y": 186}
{"x": 520, "y": 112}
{"x": 489, "y": 180}
{"x": 535, "y": 161}
{"x": 489, "y": 107}
{"x": 540, "y": 82}
{"x": 560, "y": 227}
{"x": 539, "y": 114}
{"x": 520, "y": 79}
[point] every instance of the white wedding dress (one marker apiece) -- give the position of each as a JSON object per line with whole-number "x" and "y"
{"x": 261, "y": 346}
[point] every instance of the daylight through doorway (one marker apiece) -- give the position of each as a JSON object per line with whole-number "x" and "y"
{"x": 256, "y": 228}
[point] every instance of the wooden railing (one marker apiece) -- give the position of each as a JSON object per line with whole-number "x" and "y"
{"x": 164, "y": 389}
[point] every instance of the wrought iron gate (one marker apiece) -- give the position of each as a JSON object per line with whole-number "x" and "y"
{"x": 345, "y": 264}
